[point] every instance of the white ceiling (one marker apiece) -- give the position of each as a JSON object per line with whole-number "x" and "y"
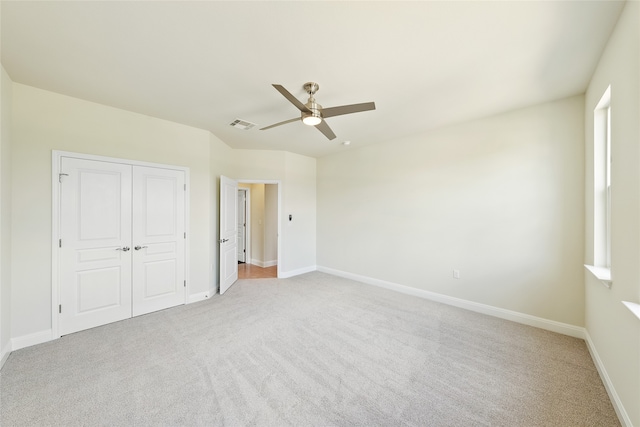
{"x": 205, "y": 63}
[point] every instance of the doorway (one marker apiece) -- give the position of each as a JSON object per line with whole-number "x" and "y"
{"x": 260, "y": 232}
{"x": 268, "y": 219}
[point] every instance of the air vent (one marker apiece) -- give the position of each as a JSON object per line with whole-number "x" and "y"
{"x": 242, "y": 124}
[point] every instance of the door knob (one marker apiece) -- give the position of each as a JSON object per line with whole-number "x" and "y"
{"x": 137, "y": 248}
{"x": 223, "y": 240}
{"x": 125, "y": 249}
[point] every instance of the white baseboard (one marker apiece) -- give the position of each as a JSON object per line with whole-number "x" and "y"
{"x": 287, "y": 274}
{"x": 608, "y": 384}
{"x": 514, "y": 316}
{"x": 264, "y": 264}
{"x": 4, "y": 353}
{"x": 31, "y": 339}
{"x": 199, "y": 297}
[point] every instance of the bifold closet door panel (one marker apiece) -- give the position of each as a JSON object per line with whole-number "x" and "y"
{"x": 159, "y": 238}
{"x": 95, "y": 244}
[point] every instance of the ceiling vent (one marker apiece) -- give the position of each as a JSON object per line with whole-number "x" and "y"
{"x": 242, "y": 124}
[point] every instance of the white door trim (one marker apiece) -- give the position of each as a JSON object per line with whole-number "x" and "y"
{"x": 279, "y": 184}
{"x": 56, "y": 157}
{"x": 247, "y": 229}
{"x": 247, "y": 235}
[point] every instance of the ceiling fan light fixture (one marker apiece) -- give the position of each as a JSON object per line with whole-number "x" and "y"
{"x": 311, "y": 119}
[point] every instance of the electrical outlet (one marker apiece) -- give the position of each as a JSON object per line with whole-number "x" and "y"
{"x": 456, "y": 274}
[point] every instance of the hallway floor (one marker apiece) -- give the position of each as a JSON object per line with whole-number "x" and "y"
{"x": 250, "y": 271}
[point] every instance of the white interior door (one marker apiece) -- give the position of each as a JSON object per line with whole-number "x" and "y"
{"x": 228, "y": 233}
{"x": 158, "y": 239}
{"x": 242, "y": 225}
{"x": 95, "y": 242}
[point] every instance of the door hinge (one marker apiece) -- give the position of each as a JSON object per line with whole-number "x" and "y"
{"x": 59, "y": 243}
{"x": 60, "y": 175}
{"x": 185, "y": 187}
{"x": 185, "y": 283}
{"x": 60, "y": 308}
{"x": 185, "y": 234}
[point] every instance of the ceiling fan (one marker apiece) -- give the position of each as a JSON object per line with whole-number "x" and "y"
{"x": 312, "y": 113}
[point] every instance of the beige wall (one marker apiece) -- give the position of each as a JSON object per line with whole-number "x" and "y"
{"x": 44, "y": 121}
{"x": 613, "y": 330}
{"x": 5, "y": 215}
{"x": 257, "y": 223}
{"x": 499, "y": 199}
{"x": 271, "y": 224}
{"x": 299, "y": 241}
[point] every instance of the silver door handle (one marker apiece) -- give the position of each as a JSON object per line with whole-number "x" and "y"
{"x": 125, "y": 249}
{"x": 137, "y": 248}
{"x": 223, "y": 240}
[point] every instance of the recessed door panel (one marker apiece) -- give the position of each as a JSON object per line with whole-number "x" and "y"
{"x": 107, "y": 254}
{"x": 162, "y": 248}
{"x": 100, "y": 204}
{"x": 98, "y": 289}
{"x": 160, "y": 206}
{"x": 230, "y": 264}
{"x": 160, "y": 278}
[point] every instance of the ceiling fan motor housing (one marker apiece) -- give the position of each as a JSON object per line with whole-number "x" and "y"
{"x": 314, "y": 116}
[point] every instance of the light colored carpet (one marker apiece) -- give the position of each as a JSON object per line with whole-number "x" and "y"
{"x": 314, "y": 350}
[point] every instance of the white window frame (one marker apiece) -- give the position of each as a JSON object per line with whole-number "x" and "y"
{"x": 608, "y": 184}
{"x": 602, "y": 190}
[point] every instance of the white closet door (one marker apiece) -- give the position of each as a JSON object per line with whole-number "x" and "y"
{"x": 95, "y": 255}
{"x": 158, "y": 239}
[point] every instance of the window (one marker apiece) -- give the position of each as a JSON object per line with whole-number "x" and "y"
{"x": 608, "y": 188}
{"x": 602, "y": 161}
{"x": 602, "y": 181}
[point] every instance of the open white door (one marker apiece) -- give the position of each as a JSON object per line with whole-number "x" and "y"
{"x": 228, "y": 233}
